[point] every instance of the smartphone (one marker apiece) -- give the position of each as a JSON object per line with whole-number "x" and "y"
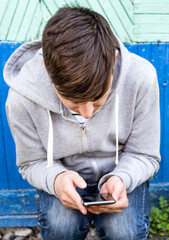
{"x": 96, "y": 199}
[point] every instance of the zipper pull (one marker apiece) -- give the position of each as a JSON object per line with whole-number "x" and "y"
{"x": 82, "y": 127}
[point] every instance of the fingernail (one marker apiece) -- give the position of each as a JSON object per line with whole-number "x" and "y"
{"x": 83, "y": 211}
{"x": 83, "y": 185}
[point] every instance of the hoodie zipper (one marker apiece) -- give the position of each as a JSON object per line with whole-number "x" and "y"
{"x": 83, "y": 128}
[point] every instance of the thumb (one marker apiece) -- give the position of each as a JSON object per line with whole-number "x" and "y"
{"x": 117, "y": 186}
{"x": 79, "y": 182}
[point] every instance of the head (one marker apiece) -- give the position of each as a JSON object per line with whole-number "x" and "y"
{"x": 79, "y": 54}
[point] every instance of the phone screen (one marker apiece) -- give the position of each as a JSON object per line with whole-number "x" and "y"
{"x": 96, "y": 199}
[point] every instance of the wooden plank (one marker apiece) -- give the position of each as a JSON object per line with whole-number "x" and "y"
{"x": 36, "y": 22}
{"x": 14, "y": 178}
{"x": 18, "y": 202}
{"x": 17, "y": 20}
{"x": 166, "y": 115}
{"x": 158, "y": 57}
{"x": 126, "y": 21}
{"x": 18, "y": 208}
{"x": 157, "y": 190}
{"x": 128, "y": 7}
{"x": 26, "y": 23}
{"x": 151, "y": 18}
{"x": 59, "y": 3}
{"x": 114, "y": 20}
{"x": 18, "y": 221}
{"x": 149, "y": 37}
{"x": 152, "y": 28}
{"x": 151, "y": 2}
{"x": 151, "y": 8}
{"x": 48, "y": 8}
{"x": 3, "y": 163}
{"x": 132, "y": 48}
{"x": 145, "y": 50}
{"x": 82, "y": 3}
{"x": 8, "y": 17}
{"x": 4, "y": 5}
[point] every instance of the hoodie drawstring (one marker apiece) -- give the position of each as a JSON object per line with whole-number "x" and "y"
{"x": 117, "y": 128}
{"x": 50, "y": 142}
{"x": 50, "y": 135}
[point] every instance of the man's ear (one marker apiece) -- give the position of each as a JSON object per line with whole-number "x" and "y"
{"x": 42, "y": 61}
{"x": 116, "y": 53}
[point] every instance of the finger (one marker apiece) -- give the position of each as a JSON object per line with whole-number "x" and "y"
{"x": 122, "y": 203}
{"x": 115, "y": 186}
{"x": 76, "y": 200}
{"x": 79, "y": 181}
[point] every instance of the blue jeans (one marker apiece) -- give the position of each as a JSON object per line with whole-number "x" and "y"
{"x": 57, "y": 222}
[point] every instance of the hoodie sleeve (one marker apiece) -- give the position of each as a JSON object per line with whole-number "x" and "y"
{"x": 140, "y": 158}
{"x": 30, "y": 153}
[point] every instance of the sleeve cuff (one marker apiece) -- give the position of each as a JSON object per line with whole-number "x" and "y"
{"x": 124, "y": 176}
{"x": 52, "y": 173}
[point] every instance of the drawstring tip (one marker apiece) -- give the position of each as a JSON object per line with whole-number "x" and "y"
{"x": 116, "y": 161}
{"x": 49, "y": 165}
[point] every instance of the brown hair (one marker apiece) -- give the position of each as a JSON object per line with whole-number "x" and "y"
{"x": 79, "y": 53}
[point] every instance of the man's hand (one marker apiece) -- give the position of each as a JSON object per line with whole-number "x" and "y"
{"x": 64, "y": 185}
{"x": 116, "y": 188}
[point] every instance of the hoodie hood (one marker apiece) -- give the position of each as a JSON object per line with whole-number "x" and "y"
{"x": 26, "y": 74}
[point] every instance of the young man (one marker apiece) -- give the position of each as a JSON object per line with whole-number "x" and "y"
{"x": 84, "y": 114}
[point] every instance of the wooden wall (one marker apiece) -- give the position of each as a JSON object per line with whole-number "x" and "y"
{"x": 131, "y": 20}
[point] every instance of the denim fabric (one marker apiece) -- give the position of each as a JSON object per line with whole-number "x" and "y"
{"x": 57, "y": 222}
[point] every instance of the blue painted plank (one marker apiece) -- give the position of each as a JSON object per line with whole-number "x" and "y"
{"x": 3, "y": 166}
{"x": 144, "y": 50}
{"x": 18, "y": 221}
{"x": 132, "y": 48}
{"x": 18, "y": 202}
{"x": 14, "y": 179}
{"x": 166, "y": 116}
{"x": 18, "y": 208}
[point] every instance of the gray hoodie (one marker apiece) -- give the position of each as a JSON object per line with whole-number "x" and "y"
{"x": 122, "y": 138}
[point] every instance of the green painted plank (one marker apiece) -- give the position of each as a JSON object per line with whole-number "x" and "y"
{"x": 151, "y": 8}
{"x": 17, "y": 20}
{"x": 82, "y": 3}
{"x": 60, "y": 3}
{"x": 125, "y": 19}
{"x": 151, "y": 18}
{"x": 25, "y": 24}
{"x": 50, "y": 6}
{"x": 151, "y": 28}
{"x": 4, "y": 5}
{"x": 128, "y": 8}
{"x": 151, "y": 37}
{"x": 7, "y": 18}
{"x": 115, "y": 21}
{"x": 151, "y": 1}
{"x": 33, "y": 31}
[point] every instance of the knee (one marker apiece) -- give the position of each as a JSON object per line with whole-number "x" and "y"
{"x": 55, "y": 225}
{"x": 124, "y": 229}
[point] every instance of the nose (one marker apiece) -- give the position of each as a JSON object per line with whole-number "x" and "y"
{"x": 86, "y": 110}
